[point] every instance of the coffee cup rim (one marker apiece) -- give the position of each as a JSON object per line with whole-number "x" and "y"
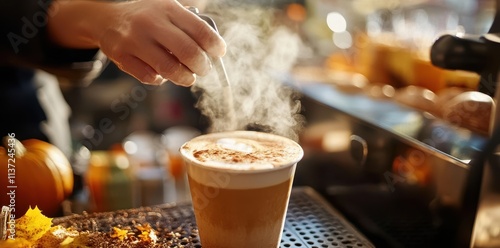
{"x": 253, "y": 134}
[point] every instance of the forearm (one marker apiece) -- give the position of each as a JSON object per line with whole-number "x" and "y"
{"x": 152, "y": 40}
{"x": 25, "y": 42}
{"x": 79, "y": 23}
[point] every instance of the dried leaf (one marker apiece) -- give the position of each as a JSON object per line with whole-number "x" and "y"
{"x": 32, "y": 225}
{"x": 55, "y": 236}
{"x": 119, "y": 233}
{"x": 34, "y": 229}
{"x": 79, "y": 241}
{"x": 16, "y": 243}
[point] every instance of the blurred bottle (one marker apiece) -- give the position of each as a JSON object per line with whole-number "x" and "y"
{"x": 153, "y": 185}
{"x": 109, "y": 181}
{"x": 172, "y": 140}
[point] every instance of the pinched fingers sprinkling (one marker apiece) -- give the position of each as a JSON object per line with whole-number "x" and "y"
{"x": 185, "y": 50}
{"x": 139, "y": 69}
{"x": 177, "y": 73}
{"x": 200, "y": 31}
{"x": 168, "y": 66}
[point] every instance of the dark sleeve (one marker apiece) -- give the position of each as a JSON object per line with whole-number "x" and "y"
{"x": 24, "y": 42}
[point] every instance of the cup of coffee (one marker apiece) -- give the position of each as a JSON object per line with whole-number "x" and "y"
{"x": 240, "y": 183}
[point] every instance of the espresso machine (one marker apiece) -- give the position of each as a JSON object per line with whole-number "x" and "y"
{"x": 450, "y": 198}
{"x": 481, "y": 200}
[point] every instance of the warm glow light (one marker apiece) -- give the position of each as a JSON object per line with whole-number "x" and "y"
{"x": 336, "y": 22}
{"x": 342, "y": 40}
{"x": 296, "y": 12}
{"x": 487, "y": 227}
{"x": 122, "y": 162}
{"x": 130, "y": 147}
{"x": 336, "y": 141}
{"x": 388, "y": 90}
{"x": 98, "y": 160}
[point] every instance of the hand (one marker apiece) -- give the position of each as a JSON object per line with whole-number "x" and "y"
{"x": 152, "y": 40}
{"x": 155, "y": 40}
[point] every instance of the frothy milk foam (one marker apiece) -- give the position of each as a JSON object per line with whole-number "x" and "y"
{"x": 238, "y": 154}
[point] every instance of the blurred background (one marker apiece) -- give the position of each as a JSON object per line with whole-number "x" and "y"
{"x": 387, "y": 135}
{"x": 381, "y": 41}
{"x": 347, "y": 43}
{"x": 374, "y": 57}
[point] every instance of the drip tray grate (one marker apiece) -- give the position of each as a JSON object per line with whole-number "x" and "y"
{"x": 311, "y": 222}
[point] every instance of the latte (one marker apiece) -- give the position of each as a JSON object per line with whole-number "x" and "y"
{"x": 240, "y": 185}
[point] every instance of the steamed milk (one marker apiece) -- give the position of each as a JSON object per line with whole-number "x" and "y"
{"x": 240, "y": 184}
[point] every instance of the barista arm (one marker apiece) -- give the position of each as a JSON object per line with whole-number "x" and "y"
{"x": 25, "y": 42}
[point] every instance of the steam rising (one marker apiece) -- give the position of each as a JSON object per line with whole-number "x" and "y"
{"x": 257, "y": 50}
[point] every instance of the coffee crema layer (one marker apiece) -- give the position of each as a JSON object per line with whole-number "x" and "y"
{"x": 243, "y": 150}
{"x": 241, "y": 159}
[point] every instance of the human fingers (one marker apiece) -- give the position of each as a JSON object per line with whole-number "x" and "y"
{"x": 204, "y": 35}
{"x": 166, "y": 64}
{"x": 185, "y": 50}
{"x": 144, "y": 30}
{"x": 139, "y": 70}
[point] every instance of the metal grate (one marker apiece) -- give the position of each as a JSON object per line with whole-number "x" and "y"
{"x": 310, "y": 222}
{"x": 395, "y": 220}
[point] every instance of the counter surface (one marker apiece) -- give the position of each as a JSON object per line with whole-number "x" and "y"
{"x": 310, "y": 222}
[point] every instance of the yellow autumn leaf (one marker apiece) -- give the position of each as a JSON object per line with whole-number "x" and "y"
{"x": 55, "y": 236}
{"x": 32, "y": 225}
{"x": 120, "y": 233}
{"x": 15, "y": 243}
{"x": 35, "y": 230}
{"x": 59, "y": 236}
{"x": 79, "y": 241}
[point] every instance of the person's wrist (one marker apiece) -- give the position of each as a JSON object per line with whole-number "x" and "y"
{"x": 104, "y": 18}
{"x": 80, "y": 23}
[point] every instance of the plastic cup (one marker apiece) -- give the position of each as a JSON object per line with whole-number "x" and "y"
{"x": 240, "y": 185}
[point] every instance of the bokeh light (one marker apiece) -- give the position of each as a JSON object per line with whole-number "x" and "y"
{"x": 130, "y": 147}
{"x": 296, "y": 12}
{"x": 342, "y": 40}
{"x": 336, "y": 22}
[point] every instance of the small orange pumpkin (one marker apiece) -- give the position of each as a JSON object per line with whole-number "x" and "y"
{"x": 34, "y": 173}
